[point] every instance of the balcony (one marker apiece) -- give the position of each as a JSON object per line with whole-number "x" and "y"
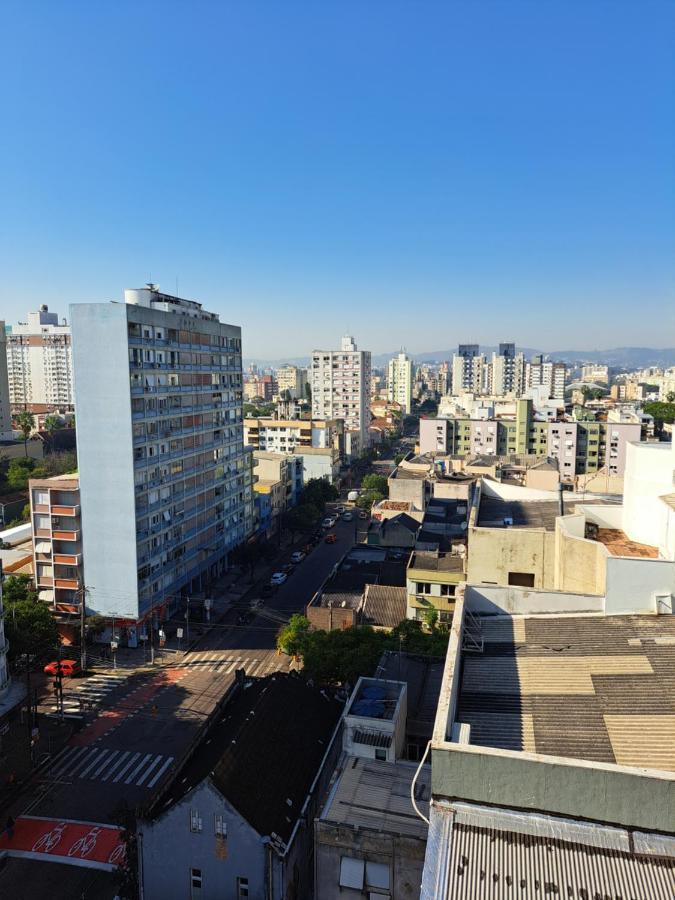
{"x": 64, "y": 535}
{"x": 65, "y": 510}
{"x": 67, "y": 559}
{"x": 67, "y": 583}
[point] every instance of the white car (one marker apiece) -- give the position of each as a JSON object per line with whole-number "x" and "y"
{"x": 327, "y": 523}
{"x": 297, "y": 557}
{"x": 278, "y": 578}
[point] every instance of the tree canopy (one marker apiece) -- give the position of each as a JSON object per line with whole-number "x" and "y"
{"x": 14, "y": 473}
{"x": 343, "y": 655}
{"x": 29, "y": 625}
{"x": 375, "y": 483}
{"x": 661, "y": 412}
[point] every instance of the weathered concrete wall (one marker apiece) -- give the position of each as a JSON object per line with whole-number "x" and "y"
{"x": 404, "y": 856}
{"x": 636, "y": 798}
{"x": 580, "y": 564}
{"x": 487, "y": 599}
{"x": 633, "y": 583}
{"x": 494, "y": 552}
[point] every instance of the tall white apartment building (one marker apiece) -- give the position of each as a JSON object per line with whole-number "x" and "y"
{"x": 400, "y": 381}
{"x": 468, "y": 370}
{"x": 548, "y": 375}
{"x": 39, "y": 363}
{"x": 340, "y": 382}
{"x": 292, "y": 379}
{"x": 165, "y": 480}
{"x": 507, "y": 372}
{"x": 5, "y": 410}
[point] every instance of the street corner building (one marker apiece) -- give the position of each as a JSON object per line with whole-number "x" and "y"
{"x": 237, "y": 819}
{"x": 165, "y": 480}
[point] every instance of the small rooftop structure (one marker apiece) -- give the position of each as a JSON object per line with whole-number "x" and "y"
{"x": 384, "y": 606}
{"x": 376, "y": 795}
{"x": 374, "y": 719}
{"x": 436, "y": 562}
{"x": 496, "y": 512}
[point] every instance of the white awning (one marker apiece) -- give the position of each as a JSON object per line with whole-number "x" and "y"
{"x": 43, "y": 547}
{"x": 46, "y": 595}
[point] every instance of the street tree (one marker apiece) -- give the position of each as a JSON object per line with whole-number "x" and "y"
{"x": 25, "y": 422}
{"x": 375, "y": 483}
{"x": 52, "y": 424}
{"x": 29, "y": 624}
{"x": 301, "y": 518}
{"x": 292, "y": 638}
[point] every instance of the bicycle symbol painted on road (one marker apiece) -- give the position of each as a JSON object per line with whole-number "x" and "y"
{"x": 84, "y": 845}
{"x": 118, "y": 856}
{"x": 48, "y": 841}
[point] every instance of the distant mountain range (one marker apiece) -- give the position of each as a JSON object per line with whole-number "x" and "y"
{"x": 619, "y": 357}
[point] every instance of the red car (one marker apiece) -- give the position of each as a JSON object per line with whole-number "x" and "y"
{"x": 331, "y": 538}
{"x": 69, "y": 668}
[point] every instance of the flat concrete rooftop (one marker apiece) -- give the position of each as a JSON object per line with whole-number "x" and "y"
{"x": 444, "y": 562}
{"x": 376, "y": 795}
{"x": 598, "y": 688}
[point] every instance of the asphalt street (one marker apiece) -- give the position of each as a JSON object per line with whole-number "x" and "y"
{"x": 146, "y": 722}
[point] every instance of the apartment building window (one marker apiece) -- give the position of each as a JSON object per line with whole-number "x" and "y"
{"x": 448, "y": 590}
{"x": 242, "y": 888}
{"x": 195, "y": 822}
{"x": 423, "y": 587}
{"x": 521, "y": 579}
{"x": 195, "y": 883}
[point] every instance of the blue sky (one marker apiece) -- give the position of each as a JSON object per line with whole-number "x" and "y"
{"x": 417, "y": 173}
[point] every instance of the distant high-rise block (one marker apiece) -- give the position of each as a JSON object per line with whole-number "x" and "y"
{"x": 340, "y": 382}
{"x": 39, "y": 363}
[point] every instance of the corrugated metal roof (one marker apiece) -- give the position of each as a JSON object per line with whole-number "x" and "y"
{"x": 465, "y": 861}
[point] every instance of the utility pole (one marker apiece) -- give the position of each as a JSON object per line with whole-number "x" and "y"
{"x": 83, "y": 616}
{"x": 187, "y": 623}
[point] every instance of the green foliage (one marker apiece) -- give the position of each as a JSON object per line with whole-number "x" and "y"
{"x": 292, "y": 639}
{"x": 29, "y": 624}
{"x": 14, "y": 474}
{"x": 431, "y": 618}
{"x": 301, "y": 518}
{"x": 18, "y": 473}
{"x": 21, "y": 519}
{"x": 258, "y": 410}
{"x": 25, "y": 422}
{"x": 399, "y": 458}
{"x": 52, "y": 424}
{"x": 318, "y": 492}
{"x": 661, "y": 412}
{"x": 670, "y": 396}
{"x": 342, "y": 655}
{"x": 375, "y": 483}
{"x": 93, "y": 626}
{"x": 366, "y": 501}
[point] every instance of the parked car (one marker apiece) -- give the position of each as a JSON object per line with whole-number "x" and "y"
{"x": 339, "y": 509}
{"x": 331, "y": 538}
{"x": 347, "y": 517}
{"x": 288, "y": 568}
{"x": 278, "y": 578}
{"x": 267, "y": 590}
{"x": 327, "y": 523}
{"x": 297, "y": 557}
{"x": 69, "y": 668}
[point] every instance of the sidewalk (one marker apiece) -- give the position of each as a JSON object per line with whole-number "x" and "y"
{"x": 230, "y": 590}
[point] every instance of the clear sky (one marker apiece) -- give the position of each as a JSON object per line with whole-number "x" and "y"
{"x": 418, "y": 173}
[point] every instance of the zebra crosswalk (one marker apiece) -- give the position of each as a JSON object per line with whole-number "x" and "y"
{"x": 215, "y": 661}
{"x": 89, "y": 692}
{"x": 114, "y": 766}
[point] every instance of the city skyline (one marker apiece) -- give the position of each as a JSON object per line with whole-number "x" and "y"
{"x": 329, "y": 170}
